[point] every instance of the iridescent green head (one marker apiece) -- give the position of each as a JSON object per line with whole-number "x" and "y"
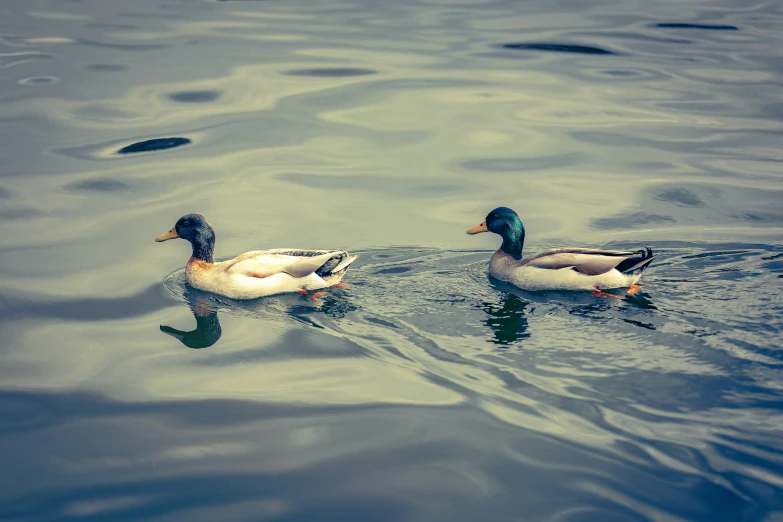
{"x": 506, "y": 223}
{"x": 196, "y": 229}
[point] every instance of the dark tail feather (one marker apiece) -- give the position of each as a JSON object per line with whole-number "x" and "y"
{"x": 331, "y": 264}
{"x": 637, "y": 263}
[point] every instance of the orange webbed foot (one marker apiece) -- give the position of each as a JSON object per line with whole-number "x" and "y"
{"x": 634, "y": 289}
{"x": 340, "y": 285}
{"x": 313, "y": 296}
{"x": 598, "y": 293}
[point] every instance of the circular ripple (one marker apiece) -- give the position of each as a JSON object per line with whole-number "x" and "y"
{"x": 39, "y": 80}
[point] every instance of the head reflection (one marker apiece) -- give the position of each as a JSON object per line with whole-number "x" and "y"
{"x": 208, "y": 330}
{"x": 507, "y": 319}
{"x": 205, "y": 307}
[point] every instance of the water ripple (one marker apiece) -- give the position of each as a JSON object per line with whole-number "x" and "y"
{"x": 706, "y": 27}
{"x": 556, "y": 48}
{"x": 424, "y": 390}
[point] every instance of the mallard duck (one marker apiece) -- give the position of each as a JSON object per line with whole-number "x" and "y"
{"x": 259, "y": 273}
{"x": 561, "y": 268}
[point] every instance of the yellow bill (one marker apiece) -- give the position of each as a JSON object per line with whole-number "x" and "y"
{"x": 171, "y": 234}
{"x": 478, "y": 229}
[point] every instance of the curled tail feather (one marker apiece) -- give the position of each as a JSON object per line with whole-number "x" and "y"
{"x": 336, "y": 265}
{"x": 637, "y": 263}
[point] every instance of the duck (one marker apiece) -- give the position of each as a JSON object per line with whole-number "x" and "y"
{"x": 259, "y": 273}
{"x": 560, "y": 268}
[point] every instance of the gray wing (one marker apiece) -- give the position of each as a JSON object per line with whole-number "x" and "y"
{"x": 584, "y": 260}
{"x": 306, "y": 265}
{"x": 296, "y": 263}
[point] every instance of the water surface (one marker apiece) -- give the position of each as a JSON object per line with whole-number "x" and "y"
{"x": 425, "y": 390}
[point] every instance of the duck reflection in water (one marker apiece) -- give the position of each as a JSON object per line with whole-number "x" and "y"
{"x": 508, "y": 316}
{"x": 208, "y": 329}
{"x": 205, "y": 307}
{"x": 507, "y": 319}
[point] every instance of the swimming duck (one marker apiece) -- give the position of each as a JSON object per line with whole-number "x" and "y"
{"x": 259, "y": 273}
{"x": 561, "y": 268}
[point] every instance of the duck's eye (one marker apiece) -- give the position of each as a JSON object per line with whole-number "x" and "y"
{"x": 186, "y": 223}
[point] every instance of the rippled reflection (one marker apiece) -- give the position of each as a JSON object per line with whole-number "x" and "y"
{"x": 207, "y": 331}
{"x": 556, "y": 48}
{"x": 282, "y": 307}
{"x": 507, "y": 320}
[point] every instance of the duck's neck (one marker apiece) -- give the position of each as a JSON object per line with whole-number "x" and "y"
{"x": 513, "y": 240}
{"x": 207, "y": 332}
{"x": 203, "y": 248}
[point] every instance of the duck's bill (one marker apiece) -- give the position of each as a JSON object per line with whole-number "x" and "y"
{"x": 171, "y": 234}
{"x": 478, "y": 229}
{"x": 177, "y": 334}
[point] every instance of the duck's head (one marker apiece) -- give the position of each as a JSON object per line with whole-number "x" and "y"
{"x": 506, "y": 223}
{"x": 196, "y": 229}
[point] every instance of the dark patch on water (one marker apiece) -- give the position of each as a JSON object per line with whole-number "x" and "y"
{"x": 524, "y": 164}
{"x": 195, "y": 96}
{"x": 381, "y": 322}
{"x": 680, "y": 197}
{"x": 97, "y": 185}
{"x": 331, "y": 72}
{"x": 5, "y": 193}
{"x": 619, "y": 73}
{"x": 394, "y": 270}
{"x": 153, "y": 145}
{"x": 336, "y": 307}
{"x": 749, "y": 217}
{"x": 19, "y": 213}
{"x": 675, "y": 25}
{"x": 143, "y": 302}
{"x": 630, "y": 220}
{"x": 556, "y": 48}
{"x": 106, "y": 67}
{"x": 640, "y": 324}
{"x": 25, "y": 410}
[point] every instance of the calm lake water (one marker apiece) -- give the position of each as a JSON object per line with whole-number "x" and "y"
{"x": 424, "y": 391}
